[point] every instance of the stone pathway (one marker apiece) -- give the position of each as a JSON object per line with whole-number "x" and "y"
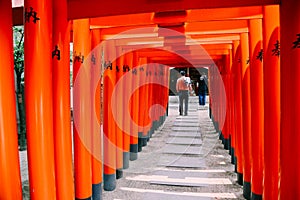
{"x": 183, "y": 160}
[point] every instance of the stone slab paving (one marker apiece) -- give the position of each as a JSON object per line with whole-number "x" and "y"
{"x": 179, "y": 173}
{"x": 167, "y": 159}
{"x": 184, "y": 141}
{"x": 185, "y": 134}
{"x": 193, "y": 129}
{"x": 188, "y": 162}
{"x": 185, "y": 124}
{"x": 187, "y": 182}
{"x": 168, "y": 171}
{"x": 182, "y": 149}
{"x": 187, "y": 118}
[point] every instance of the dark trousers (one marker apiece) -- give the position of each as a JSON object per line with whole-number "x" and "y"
{"x": 202, "y": 97}
{"x": 183, "y": 96}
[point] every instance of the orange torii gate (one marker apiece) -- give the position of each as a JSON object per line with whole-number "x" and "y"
{"x": 271, "y": 66}
{"x": 261, "y": 86}
{"x": 10, "y": 166}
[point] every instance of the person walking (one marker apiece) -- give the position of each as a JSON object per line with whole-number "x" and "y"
{"x": 202, "y": 90}
{"x": 183, "y": 86}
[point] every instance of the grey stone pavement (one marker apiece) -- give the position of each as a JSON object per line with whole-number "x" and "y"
{"x": 184, "y": 159}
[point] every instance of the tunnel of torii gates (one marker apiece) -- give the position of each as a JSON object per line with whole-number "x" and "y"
{"x": 251, "y": 49}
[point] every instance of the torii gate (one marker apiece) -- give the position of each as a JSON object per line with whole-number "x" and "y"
{"x": 263, "y": 111}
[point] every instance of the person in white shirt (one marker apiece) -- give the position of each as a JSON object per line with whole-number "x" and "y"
{"x": 183, "y": 86}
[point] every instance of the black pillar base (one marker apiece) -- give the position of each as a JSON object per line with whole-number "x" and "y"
{"x": 126, "y": 156}
{"x": 97, "y": 191}
{"x": 226, "y": 144}
{"x": 221, "y": 137}
{"x": 247, "y": 190}
{"x": 240, "y": 178}
{"x": 235, "y": 164}
{"x": 229, "y": 144}
{"x": 109, "y": 181}
{"x": 144, "y": 141}
{"x": 140, "y": 144}
{"x": 151, "y": 131}
{"x": 89, "y": 198}
{"x": 160, "y": 121}
{"x": 256, "y": 196}
{"x": 119, "y": 173}
{"x": 232, "y": 156}
{"x": 217, "y": 127}
{"x": 133, "y": 155}
{"x": 156, "y": 124}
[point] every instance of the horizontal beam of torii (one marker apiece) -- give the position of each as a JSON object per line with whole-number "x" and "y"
{"x": 95, "y": 8}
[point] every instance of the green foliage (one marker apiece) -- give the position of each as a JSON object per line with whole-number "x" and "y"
{"x": 19, "y": 69}
{"x": 19, "y": 53}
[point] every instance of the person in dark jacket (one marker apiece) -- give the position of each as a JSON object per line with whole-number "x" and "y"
{"x": 202, "y": 90}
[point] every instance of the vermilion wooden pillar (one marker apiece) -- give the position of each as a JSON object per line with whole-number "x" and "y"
{"x": 82, "y": 109}
{"x": 38, "y": 98}
{"x": 141, "y": 103}
{"x": 166, "y": 74}
{"x": 221, "y": 70}
{"x": 161, "y": 80}
{"x": 109, "y": 126}
{"x": 134, "y": 103}
{"x": 97, "y": 170}
{"x": 230, "y": 101}
{"x": 127, "y": 85}
{"x": 148, "y": 119}
{"x": 289, "y": 181}
{"x": 144, "y": 100}
{"x": 213, "y": 91}
{"x": 217, "y": 103}
{"x": 246, "y": 114}
{"x": 61, "y": 102}
{"x": 271, "y": 68}
{"x": 10, "y": 186}
{"x": 162, "y": 76}
{"x": 153, "y": 112}
{"x": 225, "y": 105}
{"x": 238, "y": 104}
{"x": 257, "y": 107}
{"x": 231, "y": 105}
{"x": 210, "y": 94}
{"x": 119, "y": 111}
